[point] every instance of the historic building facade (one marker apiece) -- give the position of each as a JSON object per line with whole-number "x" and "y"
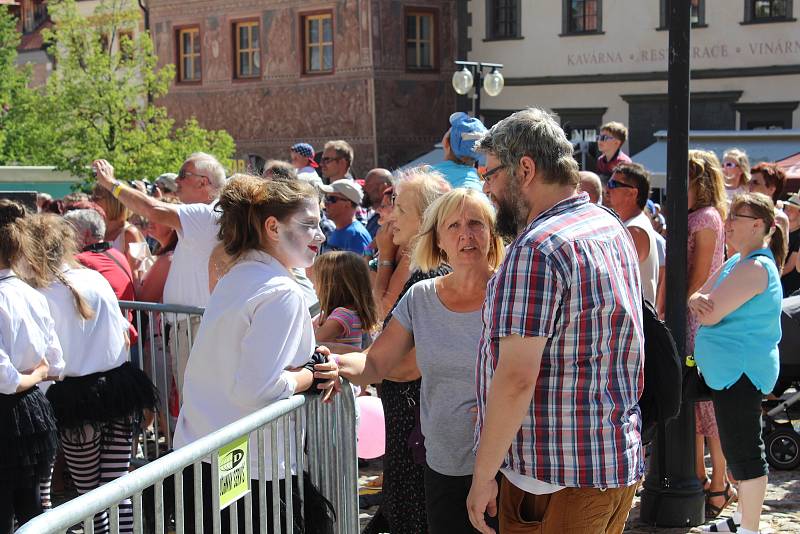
{"x": 274, "y": 72}
{"x": 593, "y": 61}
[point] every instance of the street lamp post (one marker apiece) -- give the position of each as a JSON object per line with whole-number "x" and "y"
{"x": 470, "y": 76}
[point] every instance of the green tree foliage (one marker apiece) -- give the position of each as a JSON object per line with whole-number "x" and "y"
{"x": 99, "y": 101}
{"x": 13, "y": 80}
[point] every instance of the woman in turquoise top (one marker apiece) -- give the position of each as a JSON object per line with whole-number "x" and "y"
{"x": 736, "y": 348}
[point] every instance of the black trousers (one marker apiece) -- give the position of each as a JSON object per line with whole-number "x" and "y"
{"x": 738, "y": 413}
{"x": 22, "y": 502}
{"x": 446, "y": 504}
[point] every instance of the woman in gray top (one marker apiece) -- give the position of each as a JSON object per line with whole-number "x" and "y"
{"x": 441, "y": 319}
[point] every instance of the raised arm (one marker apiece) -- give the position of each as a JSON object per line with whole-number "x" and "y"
{"x": 136, "y": 201}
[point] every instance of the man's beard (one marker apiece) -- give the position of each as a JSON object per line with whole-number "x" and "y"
{"x": 511, "y": 211}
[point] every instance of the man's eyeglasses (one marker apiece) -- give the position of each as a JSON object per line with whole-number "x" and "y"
{"x": 328, "y": 160}
{"x": 605, "y": 137}
{"x": 614, "y": 184}
{"x": 486, "y": 175}
{"x": 332, "y": 200}
{"x": 183, "y": 174}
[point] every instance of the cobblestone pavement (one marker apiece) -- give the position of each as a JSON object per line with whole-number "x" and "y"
{"x": 781, "y": 511}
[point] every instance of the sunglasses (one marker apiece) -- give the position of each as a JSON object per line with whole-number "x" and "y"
{"x": 605, "y": 137}
{"x": 614, "y": 184}
{"x": 183, "y": 174}
{"x": 729, "y": 164}
{"x": 328, "y": 160}
{"x": 486, "y": 175}
{"x": 334, "y": 200}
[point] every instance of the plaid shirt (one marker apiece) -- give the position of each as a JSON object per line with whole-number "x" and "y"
{"x": 572, "y": 276}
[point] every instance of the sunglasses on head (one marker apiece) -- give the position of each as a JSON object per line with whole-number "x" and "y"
{"x": 614, "y": 184}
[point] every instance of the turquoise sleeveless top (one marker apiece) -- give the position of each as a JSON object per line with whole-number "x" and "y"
{"x": 746, "y": 340}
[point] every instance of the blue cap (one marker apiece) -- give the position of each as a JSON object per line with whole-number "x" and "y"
{"x": 465, "y": 131}
{"x": 651, "y": 206}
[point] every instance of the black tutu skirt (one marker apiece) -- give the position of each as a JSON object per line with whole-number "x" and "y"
{"x": 99, "y": 398}
{"x": 28, "y": 438}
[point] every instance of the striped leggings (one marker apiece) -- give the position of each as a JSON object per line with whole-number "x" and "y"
{"x": 97, "y": 456}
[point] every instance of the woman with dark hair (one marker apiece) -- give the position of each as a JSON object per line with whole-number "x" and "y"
{"x": 101, "y": 397}
{"x": 151, "y": 287}
{"x": 741, "y": 298}
{"x": 768, "y": 179}
{"x": 255, "y": 344}
{"x": 29, "y": 354}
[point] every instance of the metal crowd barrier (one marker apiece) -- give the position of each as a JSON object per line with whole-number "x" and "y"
{"x": 327, "y": 450}
{"x": 152, "y": 353}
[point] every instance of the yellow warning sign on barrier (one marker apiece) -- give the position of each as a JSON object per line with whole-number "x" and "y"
{"x": 234, "y": 479}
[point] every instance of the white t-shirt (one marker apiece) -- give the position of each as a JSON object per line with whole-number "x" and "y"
{"x": 27, "y": 332}
{"x": 256, "y": 326}
{"x": 187, "y": 280}
{"x": 648, "y": 268}
{"x": 89, "y": 345}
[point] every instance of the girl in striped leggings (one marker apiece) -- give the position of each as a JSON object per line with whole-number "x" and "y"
{"x": 101, "y": 397}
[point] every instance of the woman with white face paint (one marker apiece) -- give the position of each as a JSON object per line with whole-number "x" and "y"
{"x": 256, "y": 334}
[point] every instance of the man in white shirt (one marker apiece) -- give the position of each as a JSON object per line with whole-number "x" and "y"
{"x": 628, "y": 191}
{"x": 199, "y": 181}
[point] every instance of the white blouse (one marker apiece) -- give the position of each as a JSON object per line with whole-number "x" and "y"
{"x": 27, "y": 332}
{"x": 90, "y": 345}
{"x": 256, "y": 327}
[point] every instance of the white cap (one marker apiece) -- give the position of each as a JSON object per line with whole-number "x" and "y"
{"x": 347, "y": 187}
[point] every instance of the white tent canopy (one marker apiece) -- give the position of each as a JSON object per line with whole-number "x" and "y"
{"x": 760, "y": 145}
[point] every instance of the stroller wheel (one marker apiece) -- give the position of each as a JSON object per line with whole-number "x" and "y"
{"x": 783, "y": 449}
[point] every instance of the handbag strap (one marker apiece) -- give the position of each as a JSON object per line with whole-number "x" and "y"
{"x": 115, "y": 260}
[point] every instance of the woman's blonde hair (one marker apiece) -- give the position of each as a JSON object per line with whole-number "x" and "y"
{"x": 114, "y": 209}
{"x": 54, "y": 244}
{"x": 705, "y": 176}
{"x": 342, "y": 281}
{"x": 427, "y": 254}
{"x": 424, "y": 183}
{"x": 742, "y": 161}
{"x": 761, "y": 206}
{"x": 247, "y": 201}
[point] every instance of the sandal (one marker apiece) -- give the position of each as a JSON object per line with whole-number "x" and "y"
{"x": 714, "y": 511}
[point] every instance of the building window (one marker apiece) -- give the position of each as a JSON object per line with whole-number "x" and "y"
{"x": 503, "y": 19}
{"x": 189, "y": 65}
{"x": 766, "y": 115}
{"x": 247, "y": 51}
{"x": 126, "y": 45}
{"x": 420, "y": 32}
{"x": 582, "y": 16}
{"x": 756, "y": 11}
{"x": 318, "y": 39}
{"x": 697, "y": 15}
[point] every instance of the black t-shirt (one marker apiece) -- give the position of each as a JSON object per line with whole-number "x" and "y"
{"x": 791, "y": 281}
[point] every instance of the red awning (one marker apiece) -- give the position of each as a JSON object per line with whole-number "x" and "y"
{"x": 791, "y": 166}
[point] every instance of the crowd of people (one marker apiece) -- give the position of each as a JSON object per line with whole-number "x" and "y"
{"x": 494, "y": 299}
